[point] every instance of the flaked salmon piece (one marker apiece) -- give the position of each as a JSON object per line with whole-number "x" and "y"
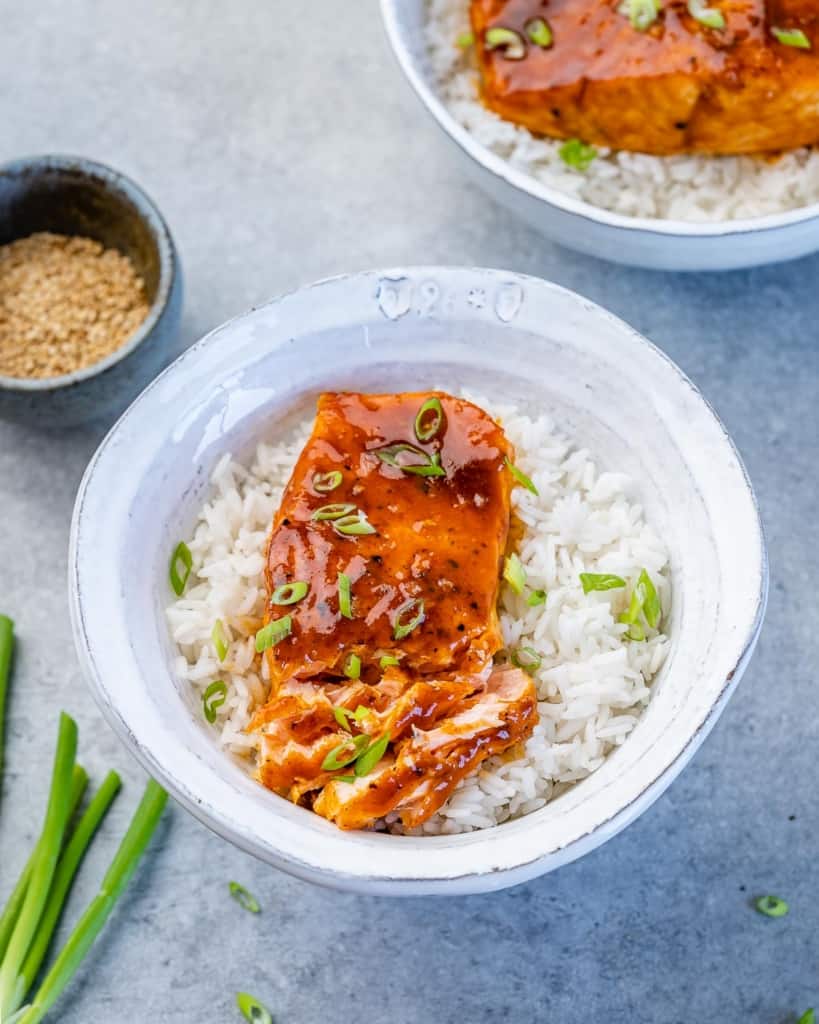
{"x": 434, "y": 549}
{"x": 416, "y": 779}
{"x": 679, "y": 86}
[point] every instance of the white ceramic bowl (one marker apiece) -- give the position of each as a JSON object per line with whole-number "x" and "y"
{"x": 638, "y": 241}
{"x": 497, "y": 332}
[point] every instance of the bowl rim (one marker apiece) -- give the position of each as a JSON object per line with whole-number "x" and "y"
{"x": 504, "y": 172}
{"x": 380, "y": 878}
{"x": 114, "y": 181}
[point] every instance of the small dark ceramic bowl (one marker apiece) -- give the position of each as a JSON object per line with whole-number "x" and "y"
{"x": 73, "y": 196}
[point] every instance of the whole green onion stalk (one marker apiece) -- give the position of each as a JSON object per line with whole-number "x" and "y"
{"x": 43, "y": 867}
{"x": 79, "y": 780}
{"x": 6, "y": 650}
{"x": 90, "y": 924}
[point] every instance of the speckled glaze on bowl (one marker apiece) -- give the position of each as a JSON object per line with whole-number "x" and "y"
{"x": 495, "y": 332}
{"x": 74, "y": 196}
{"x": 658, "y": 244}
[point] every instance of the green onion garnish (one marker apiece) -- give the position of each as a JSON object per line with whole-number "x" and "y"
{"x": 345, "y": 753}
{"x": 577, "y": 154}
{"x": 245, "y": 900}
{"x": 343, "y": 716}
{"x": 506, "y": 40}
{"x": 179, "y": 581}
{"x": 344, "y": 778}
{"x": 345, "y": 597}
{"x": 371, "y": 756}
{"x": 290, "y": 593}
{"x": 213, "y": 698}
{"x": 708, "y": 16}
{"x": 641, "y": 13}
{"x": 332, "y": 512}
{"x": 429, "y": 420}
{"x": 401, "y": 628}
{"x": 352, "y": 667}
{"x": 649, "y": 600}
{"x": 219, "y": 639}
{"x": 537, "y": 597}
{"x": 527, "y": 658}
{"x": 465, "y": 40}
{"x": 540, "y": 32}
{"x": 600, "y": 581}
{"x": 326, "y": 482}
{"x": 361, "y": 713}
{"x": 792, "y": 37}
{"x": 423, "y": 464}
{"x": 514, "y": 573}
{"x": 271, "y": 634}
{"x": 772, "y": 906}
{"x": 387, "y": 660}
{"x": 252, "y": 1009}
{"x": 353, "y": 526}
{"x": 520, "y": 476}
{"x": 808, "y": 1017}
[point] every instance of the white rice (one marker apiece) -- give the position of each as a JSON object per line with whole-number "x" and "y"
{"x": 690, "y": 188}
{"x": 592, "y": 685}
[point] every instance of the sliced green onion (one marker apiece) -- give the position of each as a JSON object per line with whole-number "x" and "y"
{"x": 252, "y": 1009}
{"x": 511, "y": 43}
{"x": 577, "y": 155}
{"x": 792, "y": 37}
{"x": 290, "y": 593}
{"x": 540, "y": 32}
{"x": 649, "y": 600}
{"x": 708, "y": 16}
{"x": 635, "y": 632}
{"x": 213, "y": 698}
{"x": 343, "y": 716}
{"x": 345, "y": 753}
{"x": 353, "y": 526}
{"x": 361, "y": 713}
{"x": 371, "y": 756}
{"x": 352, "y": 667}
{"x": 424, "y": 464}
{"x": 326, "y": 482}
{"x": 402, "y": 628}
{"x": 387, "y": 660}
{"x": 772, "y": 906}
{"x": 245, "y": 899}
{"x": 536, "y": 598}
{"x": 634, "y": 608}
{"x": 331, "y": 512}
{"x": 808, "y": 1017}
{"x": 465, "y": 40}
{"x": 275, "y": 631}
{"x": 343, "y": 778}
{"x": 426, "y": 426}
{"x": 345, "y": 597}
{"x": 520, "y": 476}
{"x": 219, "y": 639}
{"x": 600, "y": 581}
{"x": 182, "y": 553}
{"x": 514, "y": 573}
{"x": 527, "y": 658}
{"x": 641, "y": 13}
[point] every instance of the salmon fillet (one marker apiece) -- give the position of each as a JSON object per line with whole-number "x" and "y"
{"x": 678, "y": 86}
{"x": 383, "y": 571}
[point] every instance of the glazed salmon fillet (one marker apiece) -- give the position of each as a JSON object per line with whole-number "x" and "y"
{"x": 383, "y": 572}
{"x": 677, "y": 86}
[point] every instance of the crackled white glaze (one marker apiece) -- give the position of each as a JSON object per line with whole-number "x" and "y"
{"x": 492, "y": 331}
{"x": 658, "y": 244}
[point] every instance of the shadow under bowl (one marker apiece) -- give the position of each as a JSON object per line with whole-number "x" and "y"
{"x": 74, "y": 196}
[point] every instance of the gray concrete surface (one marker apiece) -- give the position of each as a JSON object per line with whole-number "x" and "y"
{"x": 283, "y": 146}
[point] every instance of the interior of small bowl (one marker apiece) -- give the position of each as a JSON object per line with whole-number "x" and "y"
{"x": 507, "y": 336}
